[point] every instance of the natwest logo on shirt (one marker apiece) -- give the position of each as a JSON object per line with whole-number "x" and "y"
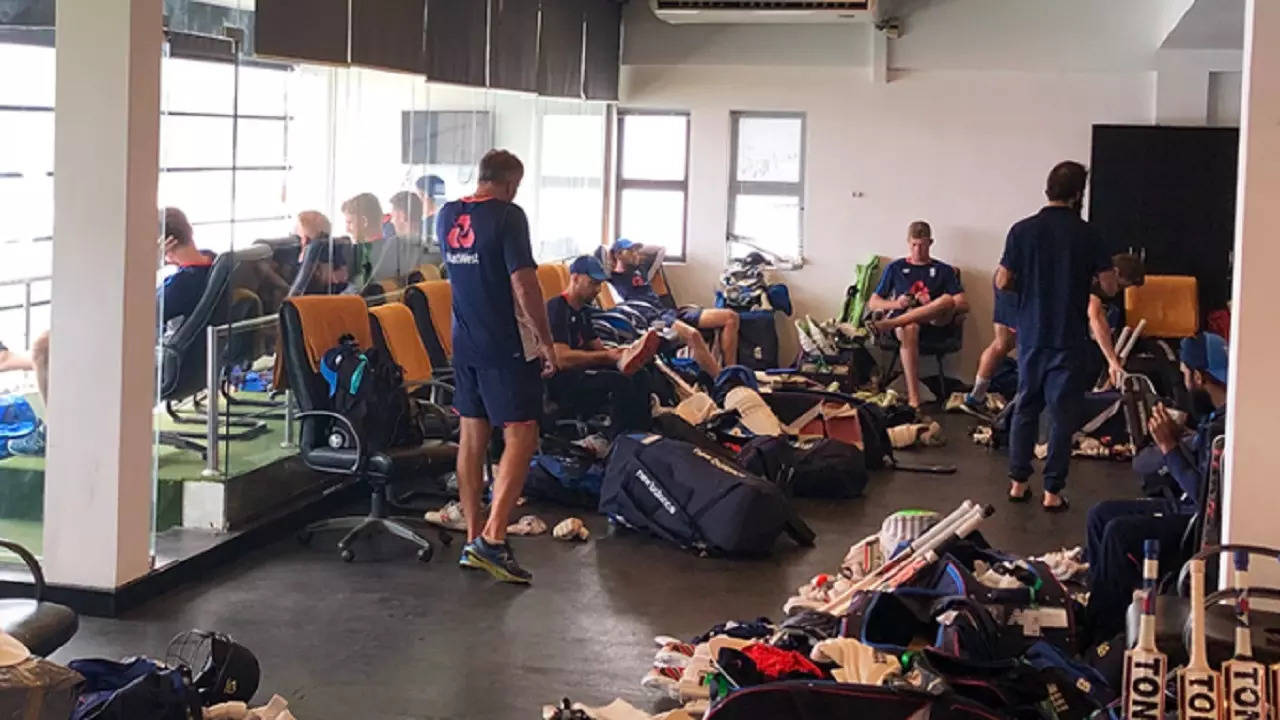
{"x": 461, "y": 236}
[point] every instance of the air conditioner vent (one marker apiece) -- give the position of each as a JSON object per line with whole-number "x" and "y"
{"x": 763, "y": 11}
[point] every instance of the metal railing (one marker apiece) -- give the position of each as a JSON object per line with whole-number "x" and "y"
{"x": 27, "y": 303}
{"x": 216, "y": 340}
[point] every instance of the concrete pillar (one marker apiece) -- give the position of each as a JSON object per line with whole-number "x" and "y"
{"x": 1251, "y": 460}
{"x": 98, "y": 482}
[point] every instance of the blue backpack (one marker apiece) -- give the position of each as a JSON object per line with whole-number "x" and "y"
{"x": 134, "y": 688}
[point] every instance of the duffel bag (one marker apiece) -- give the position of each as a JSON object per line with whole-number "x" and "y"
{"x": 821, "y": 700}
{"x": 688, "y": 496}
{"x": 829, "y": 469}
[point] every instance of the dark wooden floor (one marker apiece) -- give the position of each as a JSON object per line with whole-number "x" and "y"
{"x": 388, "y": 637}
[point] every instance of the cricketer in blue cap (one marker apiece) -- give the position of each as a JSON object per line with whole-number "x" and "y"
{"x": 1206, "y": 353}
{"x": 1182, "y": 461}
{"x": 617, "y": 384}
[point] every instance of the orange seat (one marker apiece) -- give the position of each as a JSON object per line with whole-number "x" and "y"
{"x": 550, "y": 280}
{"x": 400, "y": 336}
{"x": 431, "y": 303}
{"x": 1169, "y": 303}
{"x": 326, "y": 318}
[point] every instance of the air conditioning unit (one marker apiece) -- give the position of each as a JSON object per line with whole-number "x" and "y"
{"x": 681, "y": 12}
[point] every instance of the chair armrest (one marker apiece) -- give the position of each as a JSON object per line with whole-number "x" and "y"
{"x": 37, "y": 575}
{"x": 351, "y": 430}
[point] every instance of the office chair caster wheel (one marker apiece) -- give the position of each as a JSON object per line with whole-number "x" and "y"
{"x": 347, "y": 555}
{"x": 446, "y": 538}
{"x": 424, "y": 555}
{"x": 304, "y": 537}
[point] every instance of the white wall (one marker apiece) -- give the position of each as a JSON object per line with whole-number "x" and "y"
{"x": 968, "y": 151}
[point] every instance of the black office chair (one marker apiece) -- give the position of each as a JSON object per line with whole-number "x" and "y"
{"x": 184, "y": 361}
{"x": 42, "y": 626}
{"x": 431, "y": 303}
{"x": 935, "y": 342}
{"x": 328, "y": 442}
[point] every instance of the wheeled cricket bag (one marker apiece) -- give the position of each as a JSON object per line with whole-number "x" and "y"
{"x": 688, "y": 496}
{"x": 757, "y": 340}
{"x": 821, "y": 700}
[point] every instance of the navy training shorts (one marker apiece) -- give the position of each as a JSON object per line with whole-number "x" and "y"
{"x": 503, "y": 395}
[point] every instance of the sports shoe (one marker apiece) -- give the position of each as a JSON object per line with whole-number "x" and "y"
{"x": 665, "y": 680}
{"x": 673, "y": 655}
{"x": 498, "y": 560}
{"x": 449, "y": 517}
{"x": 639, "y": 353}
{"x": 31, "y": 444}
{"x": 972, "y": 406}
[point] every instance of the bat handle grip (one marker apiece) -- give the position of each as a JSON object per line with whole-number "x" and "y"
{"x": 1241, "y": 559}
{"x": 1151, "y": 549}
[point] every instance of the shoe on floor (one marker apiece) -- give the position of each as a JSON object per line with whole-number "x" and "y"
{"x": 449, "y": 517}
{"x": 966, "y": 403}
{"x": 31, "y": 444}
{"x": 497, "y": 560}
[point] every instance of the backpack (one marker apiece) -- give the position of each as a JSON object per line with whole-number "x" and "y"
{"x": 693, "y": 498}
{"x": 829, "y": 469}
{"x": 367, "y": 388}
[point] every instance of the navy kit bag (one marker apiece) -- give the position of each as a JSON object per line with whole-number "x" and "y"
{"x": 694, "y": 499}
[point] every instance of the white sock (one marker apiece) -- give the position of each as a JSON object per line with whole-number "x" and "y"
{"x": 979, "y": 391}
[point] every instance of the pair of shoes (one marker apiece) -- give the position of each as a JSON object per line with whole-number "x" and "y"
{"x": 32, "y": 444}
{"x": 496, "y": 559}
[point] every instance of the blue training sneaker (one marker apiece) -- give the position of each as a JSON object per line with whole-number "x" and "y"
{"x": 31, "y": 444}
{"x": 498, "y": 560}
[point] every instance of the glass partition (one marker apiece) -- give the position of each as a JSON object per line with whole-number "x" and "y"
{"x": 26, "y": 261}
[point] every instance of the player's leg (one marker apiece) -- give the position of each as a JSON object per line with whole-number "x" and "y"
{"x": 727, "y": 322}
{"x": 473, "y": 444}
{"x": 690, "y": 336}
{"x": 514, "y": 399}
{"x": 940, "y": 311}
{"x": 40, "y": 363}
{"x": 1001, "y": 345}
{"x": 909, "y": 351}
{"x": 1024, "y": 428}
{"x": 1064, "y": 393}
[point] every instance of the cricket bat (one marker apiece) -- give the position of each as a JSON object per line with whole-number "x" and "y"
{"x": 1144, "y": 665}
{"x": 1199, "y": 687}
{"x": 1243, "y": 678}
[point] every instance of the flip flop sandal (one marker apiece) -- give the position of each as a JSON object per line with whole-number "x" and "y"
{"x": 1061, "y": 507}
{"x": 1024, "y": 497}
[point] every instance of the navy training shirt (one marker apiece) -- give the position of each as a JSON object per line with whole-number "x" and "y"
{"x": 181, "y": 291}
{"x": 926, "y": 282}
{"x": 1054, "y": 256}
{"x": 568, "y": 326}
{"x": 486, "y": 241}
{"x": 632, "y": 285}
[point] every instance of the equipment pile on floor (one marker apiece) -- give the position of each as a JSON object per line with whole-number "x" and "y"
{"x": 922, "y": 619}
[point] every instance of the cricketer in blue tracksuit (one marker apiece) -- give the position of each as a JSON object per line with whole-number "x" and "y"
{"x": 1116, "y": 529}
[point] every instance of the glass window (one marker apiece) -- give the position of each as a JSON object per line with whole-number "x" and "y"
{"x": 653, "y": 178}
{"x": 570, "y": 188}
{"x": 766, "y": 197}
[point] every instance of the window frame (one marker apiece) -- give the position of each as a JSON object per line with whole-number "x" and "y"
{"x": 620, "y": 183}
{"x": 234, "y": 117}
{"x": 777, "y": 189}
